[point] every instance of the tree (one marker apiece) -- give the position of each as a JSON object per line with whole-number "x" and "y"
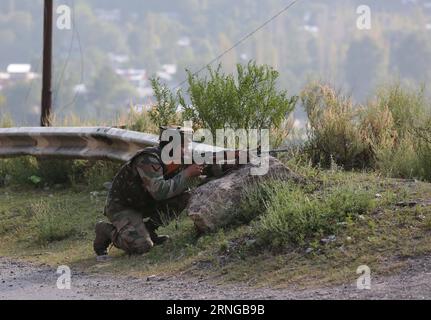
{"x": 250, "y": 100}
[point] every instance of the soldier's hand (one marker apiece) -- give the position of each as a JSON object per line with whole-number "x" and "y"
{"x": 194, "y": 170}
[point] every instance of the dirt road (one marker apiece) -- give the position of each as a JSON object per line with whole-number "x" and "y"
{"x": 22, "y": 280}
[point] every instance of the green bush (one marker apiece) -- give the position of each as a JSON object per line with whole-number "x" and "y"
{"x": 333, "y": 130}
{"x": 408, "y": 156}
{"x": 165, "y": 111}
{"x": 249, "y": 100}
{"x": 39, "y": 173}
{"x": 253, "y": 202}
{"x": 53, "y": 171}
{"x": 389, "y": 133}
{"x": 407, "y": 106}
{"x": 19, "y": 170}
{"x": 141, "y": 121}
{"x": 293, "y": 216}
{"x": 99, "y": 172}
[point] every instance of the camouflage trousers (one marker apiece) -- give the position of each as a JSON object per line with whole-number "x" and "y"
{"x": 135, "y": 228}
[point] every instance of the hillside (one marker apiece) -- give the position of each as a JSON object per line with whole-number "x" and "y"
{"x": 55, "y": 226}
{"x": 312, "y": 40}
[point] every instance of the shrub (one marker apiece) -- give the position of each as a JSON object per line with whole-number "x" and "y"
{"x": 141, "y": 121}
{"x": 165, "y": 111}
{"x": 19, "y": 170}
{"x": 408, "y": 155}
{"x": 333, "y": 131}
{"x": 293, "y": 215}
{"x": 389, "y": 133}
{"x": 52, "y": 171}
{"x": 249, "y": 100}
{"x": 253, "y": 201}
{"x": 31, "y": 171}
{"x": 99, "y": 172}
{"x": 407, "y": 106}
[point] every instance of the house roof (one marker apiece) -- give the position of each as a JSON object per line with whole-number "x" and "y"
{"x": 18, "y": 68}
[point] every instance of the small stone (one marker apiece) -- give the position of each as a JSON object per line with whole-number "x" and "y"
{"x": 309, "y": 250}
{"x": 151, "y": 278}
{"x": 406, "y": 203}
{"x": 349, "y": 239}
{"x": 328, "y": 239}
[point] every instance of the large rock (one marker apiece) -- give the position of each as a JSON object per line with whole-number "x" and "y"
{"x": 211, "y": 204}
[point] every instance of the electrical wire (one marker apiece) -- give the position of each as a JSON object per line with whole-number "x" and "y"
{"x": 246, "y": 37}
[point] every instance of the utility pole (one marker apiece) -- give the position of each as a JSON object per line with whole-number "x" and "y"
{"x": 45, "y": 117}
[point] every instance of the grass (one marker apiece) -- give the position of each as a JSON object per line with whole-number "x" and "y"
{"x": 281, "y": 234}
{"x": 56, "y": 227}
{"x": 390, "y": 133}
{"x": 293, "y": 215}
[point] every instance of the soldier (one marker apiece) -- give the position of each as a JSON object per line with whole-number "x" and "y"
{"x": 144, "y": 189}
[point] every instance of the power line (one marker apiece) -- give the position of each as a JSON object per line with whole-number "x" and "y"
{"x": 246, "y": 37}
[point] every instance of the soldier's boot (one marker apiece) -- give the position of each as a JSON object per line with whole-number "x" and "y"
{"x": 104, "y": 232}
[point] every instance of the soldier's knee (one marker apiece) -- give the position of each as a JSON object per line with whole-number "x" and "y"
{"x": 142, "y": 246}
{"x": 131, "y": 241}
{"x": 136, "y": 246}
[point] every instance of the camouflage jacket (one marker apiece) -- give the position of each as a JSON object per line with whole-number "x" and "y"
{"x": 143, "y": 181}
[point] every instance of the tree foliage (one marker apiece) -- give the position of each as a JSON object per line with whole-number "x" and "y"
{"x": 248, "y": 100}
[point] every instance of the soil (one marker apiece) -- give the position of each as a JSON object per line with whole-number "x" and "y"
{"x": 24, "y": 280}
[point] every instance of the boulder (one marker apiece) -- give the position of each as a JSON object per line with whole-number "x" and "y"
{"x": 211, "y": 204}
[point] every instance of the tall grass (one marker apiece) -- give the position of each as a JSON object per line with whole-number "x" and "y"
{"x": 52, "y": 221}
{"x": 287, "y": 214}
{"x": 408, "y": 156}
{"x": 389, "y": 133}
{"x": 333, "y": 129}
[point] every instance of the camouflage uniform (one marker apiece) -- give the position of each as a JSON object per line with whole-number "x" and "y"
{"x": 142, "y": 192}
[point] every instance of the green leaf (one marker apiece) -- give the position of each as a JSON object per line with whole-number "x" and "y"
{"x": 35, "y": 179}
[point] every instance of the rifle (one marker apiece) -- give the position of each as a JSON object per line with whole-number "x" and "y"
{"x": 221, "y": 165}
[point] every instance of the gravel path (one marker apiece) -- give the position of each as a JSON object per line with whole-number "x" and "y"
{"x": 22, "y": 280}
